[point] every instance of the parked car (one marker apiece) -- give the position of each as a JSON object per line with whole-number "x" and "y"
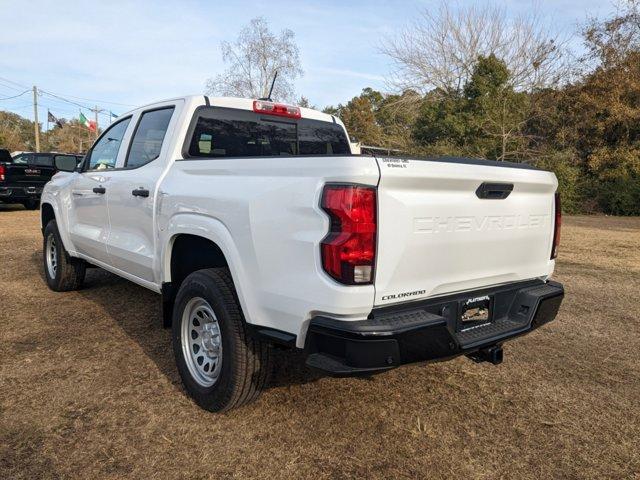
{"x": 258, "y": 227}
{"x": 23, "y": 176}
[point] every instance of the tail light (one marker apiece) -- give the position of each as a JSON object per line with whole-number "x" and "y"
{"x": 349, "y": 249}
{"x": 278, "y": 109}
{"x": 2, "y": 171}
{"x": 556, "y": 228}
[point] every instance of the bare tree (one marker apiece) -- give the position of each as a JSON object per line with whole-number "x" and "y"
{"x": 609, "y": 42}
{"x": 253, "y": 59}
{"x": 441, "y": 48}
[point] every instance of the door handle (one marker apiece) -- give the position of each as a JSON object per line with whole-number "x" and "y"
{"x": 140, "y": 192}
{"x": 494, "y": 191}
{"x": 99, "y": 190}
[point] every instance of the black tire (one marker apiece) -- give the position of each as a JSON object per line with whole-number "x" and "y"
{"x": 245, "y": 361}
{"x": 69, "y": 272}
{"x": 31, "y": 204}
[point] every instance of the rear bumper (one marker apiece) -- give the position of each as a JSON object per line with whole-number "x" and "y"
{"x": 13, "y": 193}
{"x": 429, "y": 330}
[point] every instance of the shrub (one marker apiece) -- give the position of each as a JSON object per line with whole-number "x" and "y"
{"x": 570, "y": 179}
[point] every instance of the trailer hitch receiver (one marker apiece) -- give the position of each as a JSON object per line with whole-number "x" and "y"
{"x": 493, "y": 355}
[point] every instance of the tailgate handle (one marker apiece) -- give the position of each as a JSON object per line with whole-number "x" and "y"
{"x": 494, "y": 191}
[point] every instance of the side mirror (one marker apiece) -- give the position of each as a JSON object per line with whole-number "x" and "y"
{"x": 65, "y": 163}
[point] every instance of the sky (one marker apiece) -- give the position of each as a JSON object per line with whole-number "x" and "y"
{"x": 118, "y": 54}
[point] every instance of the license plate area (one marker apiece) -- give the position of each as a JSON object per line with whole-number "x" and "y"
{"x": 474, "y": 312}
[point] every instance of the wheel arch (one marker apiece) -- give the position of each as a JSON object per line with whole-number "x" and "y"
{"x": 47, "y": 213}
{"x": 187, "y": 234}
{"x": 189, "y": 253}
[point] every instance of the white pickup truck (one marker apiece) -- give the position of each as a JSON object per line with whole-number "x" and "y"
{"x": 259, "y": 227}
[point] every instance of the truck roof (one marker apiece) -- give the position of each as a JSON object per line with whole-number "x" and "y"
{"x": 238, "y": 103}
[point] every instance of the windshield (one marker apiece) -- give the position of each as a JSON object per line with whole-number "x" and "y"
{"x": 226, "y": 132}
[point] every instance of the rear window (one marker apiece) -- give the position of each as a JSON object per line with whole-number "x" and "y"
{"x": 42, "y": 160}
{"x": 226, "y": 132}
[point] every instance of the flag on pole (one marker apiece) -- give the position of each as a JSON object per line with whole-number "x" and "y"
{"x": 90, "y": 124}
{"x": 113, "y": 115}
{"x": 52, "y": 118}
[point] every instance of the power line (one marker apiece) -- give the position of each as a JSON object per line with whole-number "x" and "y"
{"x": 58, "y": 107}
{"x": 99, "y": 101}
{"x": 86, "y": 107}
{"x": 13, "y": 83}
{"x": 65, "y": 100}
{"x": 61, "y": 105}
{"x": 62, "y": 97}
{"x": 10, "y": 87}
{"x": 54, "y": 97}
{"x": 15, "y": 96}
{"x": 101, "y": 111}
{"x": 22, "y": 106}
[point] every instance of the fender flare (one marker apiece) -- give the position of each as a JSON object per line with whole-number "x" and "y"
{"x": 52, "y": 200}
{"x": 217, "y": 232}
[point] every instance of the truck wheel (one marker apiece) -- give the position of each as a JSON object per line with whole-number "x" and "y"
{"x": 221, "y": 365}
{"x": 62, "y": 272}
{"x": 31, "y": 204}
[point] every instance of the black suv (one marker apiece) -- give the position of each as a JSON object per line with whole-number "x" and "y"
{"x": 23, "y": 176}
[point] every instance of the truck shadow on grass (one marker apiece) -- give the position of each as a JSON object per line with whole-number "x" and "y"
{"x": 11, "y": 207}
{"x": 136, "y": 311}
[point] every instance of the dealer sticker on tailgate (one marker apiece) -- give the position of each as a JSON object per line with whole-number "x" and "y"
{"x": 475, "y": 310}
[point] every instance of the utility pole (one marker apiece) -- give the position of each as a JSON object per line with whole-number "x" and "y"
{"x": 36, "y": 125}
{"x": 95, "y": 111}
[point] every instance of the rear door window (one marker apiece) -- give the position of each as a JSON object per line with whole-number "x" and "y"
{"x": 148, "y": 137}
{"x": 226, "y": 132}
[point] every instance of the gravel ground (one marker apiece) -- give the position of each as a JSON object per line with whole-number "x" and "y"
{"x": 88, "y": 387}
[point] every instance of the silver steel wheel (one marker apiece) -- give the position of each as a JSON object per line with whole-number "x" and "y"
{"x": 201, "y": 341}
{"x": 51, "y": 255}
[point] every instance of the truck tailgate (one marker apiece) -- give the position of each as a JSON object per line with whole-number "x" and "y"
{"x": 436, "y": 234}
{"x": 29, "y": 174}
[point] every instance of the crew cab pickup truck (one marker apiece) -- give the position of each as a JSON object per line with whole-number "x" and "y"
{"x": 23, "y": 176}
{"x": 259, "y": 228}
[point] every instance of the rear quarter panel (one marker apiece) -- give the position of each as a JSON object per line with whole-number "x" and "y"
{"x": 265, "y": 212}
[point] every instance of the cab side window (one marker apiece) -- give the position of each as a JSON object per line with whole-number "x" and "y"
{"x": 42, "y": 160}
{"x": 22, "y": 159}
{"x": 104, "y": 153}
{"x": 148, "y": 137}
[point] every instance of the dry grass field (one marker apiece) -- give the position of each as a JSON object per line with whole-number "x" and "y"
{"x": 88, "y": 388}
